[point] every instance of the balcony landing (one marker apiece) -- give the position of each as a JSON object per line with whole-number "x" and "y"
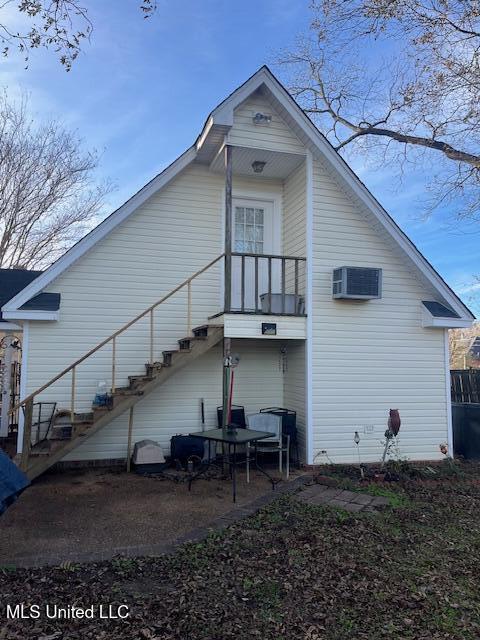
{"x": 249, "y": 325}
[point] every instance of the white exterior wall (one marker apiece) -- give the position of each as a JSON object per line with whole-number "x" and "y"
{"x": 276, "y": 136}
{"x": 294, "y": 390}
{"x": 294, "y": 214}
{"x": 369, "y": 357}
{"x": 177, "y": 232}
{"x": 174, "y": 408}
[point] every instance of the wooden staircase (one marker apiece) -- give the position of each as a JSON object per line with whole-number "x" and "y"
{"x": 48, "y": 452}
{"x": 71, "y": 428}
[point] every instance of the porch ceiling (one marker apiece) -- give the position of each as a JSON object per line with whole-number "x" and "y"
{"x": 278, "y": 165}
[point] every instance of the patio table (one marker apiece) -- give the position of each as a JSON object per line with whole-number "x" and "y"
{"x": 232, "y": 438}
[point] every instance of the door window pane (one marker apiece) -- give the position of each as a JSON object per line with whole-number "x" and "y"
{"x": 240, "y": 214}
{"x": 249, "y": 230}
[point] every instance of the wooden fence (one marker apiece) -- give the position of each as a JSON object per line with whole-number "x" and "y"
{"x": 465, "y": 385}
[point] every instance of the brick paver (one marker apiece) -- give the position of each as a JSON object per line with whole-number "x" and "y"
{"x": 353, "y": 501}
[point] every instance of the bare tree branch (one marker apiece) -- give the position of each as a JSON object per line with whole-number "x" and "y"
{"x": 61, "y": 25}
{"x": 48, "y": 197}
{"x": 402, "y": 71}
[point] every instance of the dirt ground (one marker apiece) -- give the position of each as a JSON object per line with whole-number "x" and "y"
{"x": 89, "y": 511}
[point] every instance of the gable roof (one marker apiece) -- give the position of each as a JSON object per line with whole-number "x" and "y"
{"x": 216, "y": 126}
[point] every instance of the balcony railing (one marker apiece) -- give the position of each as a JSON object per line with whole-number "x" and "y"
{"x": 266, "y": 284}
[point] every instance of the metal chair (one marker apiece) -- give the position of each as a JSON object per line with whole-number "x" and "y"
{"x": 270, "y": 423}
{"x": 237, "y": 416}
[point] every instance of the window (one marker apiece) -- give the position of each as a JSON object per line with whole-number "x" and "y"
{"x": 249, "y": 229}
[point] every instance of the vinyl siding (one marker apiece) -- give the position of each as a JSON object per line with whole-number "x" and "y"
{"x": 294, "y": 242}
{"x": 369, "y": 357}
{"x": 276, "y": 136}
{"x": 175, "y": 233}
{"x": 294, "y": 227}
{"x": 294, "y": 389}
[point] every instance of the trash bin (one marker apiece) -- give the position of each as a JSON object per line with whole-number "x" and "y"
{"x": 466, "y": 430}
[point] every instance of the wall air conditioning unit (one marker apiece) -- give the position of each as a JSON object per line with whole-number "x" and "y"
{"x": 357, "y": 283}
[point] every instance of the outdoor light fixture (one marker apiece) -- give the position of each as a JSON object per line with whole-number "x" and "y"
{"x": 258, "y": 166}
{"x": 261, "y": 118}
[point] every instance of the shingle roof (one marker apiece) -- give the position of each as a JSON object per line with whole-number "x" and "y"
{"x": 14, "y": 280}
{"x": 439, "y": 310}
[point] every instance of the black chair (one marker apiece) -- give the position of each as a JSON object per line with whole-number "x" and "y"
{"x": 237, "y": 416}
{"x": 289, "y": 427}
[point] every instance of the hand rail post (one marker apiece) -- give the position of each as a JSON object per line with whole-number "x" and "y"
{"x": 72, "y": 397}
{"x": 296, "y": 281}
{"x": 256, "y": 284}
{"x": 269, "y": 285}
{"x": 283, "y": 285}
{"x": 27, "y": 434}
{"x": 243, "y": 284}
{"x": 114, "y": 345}
{"x": 189, "y": 308}
{"x": 151, "y": 335}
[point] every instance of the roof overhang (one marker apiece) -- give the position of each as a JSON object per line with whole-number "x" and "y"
{"x": 31, "y": 314}
{"x": 216, "y": 127}
{"x": 443, "y": 322}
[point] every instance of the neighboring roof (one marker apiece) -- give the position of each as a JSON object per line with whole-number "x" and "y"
{"x": 475, "y": 348}
{"x": 217, "y": 124}
{"x": 439, "y": 310}
{"x": 12, "y": 281}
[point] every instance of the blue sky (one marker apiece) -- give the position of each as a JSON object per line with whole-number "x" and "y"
{"x": 142, "y": 89}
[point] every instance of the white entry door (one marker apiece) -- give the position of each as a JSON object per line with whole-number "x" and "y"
{"x": 254, "y": 231}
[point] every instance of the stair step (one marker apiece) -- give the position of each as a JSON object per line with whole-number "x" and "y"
{"x": 153, "y": 368}
{"x": 41, "y": 449}
{"x": 61, "y": 432}
{"x": 139, "y": 380}
{"x": 202, "y": 330}
{"x": 168, "y": 355}
{"x": 127, "y": 391}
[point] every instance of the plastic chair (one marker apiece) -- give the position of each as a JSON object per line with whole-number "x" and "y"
{"x": 270, "y": 423}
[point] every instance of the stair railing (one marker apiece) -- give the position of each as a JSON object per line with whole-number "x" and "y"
{"x": 27, "y": 402}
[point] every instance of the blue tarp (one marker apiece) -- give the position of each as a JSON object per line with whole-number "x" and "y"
{"x": 12, "y": 481}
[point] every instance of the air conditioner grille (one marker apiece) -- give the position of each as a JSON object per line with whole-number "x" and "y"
{"x": 362, "y": 281}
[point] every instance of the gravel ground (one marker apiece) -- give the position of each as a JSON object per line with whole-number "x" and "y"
{"x": 77, "y": 512}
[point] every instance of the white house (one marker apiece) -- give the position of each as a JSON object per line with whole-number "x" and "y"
{"x": 251, "y": 226}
